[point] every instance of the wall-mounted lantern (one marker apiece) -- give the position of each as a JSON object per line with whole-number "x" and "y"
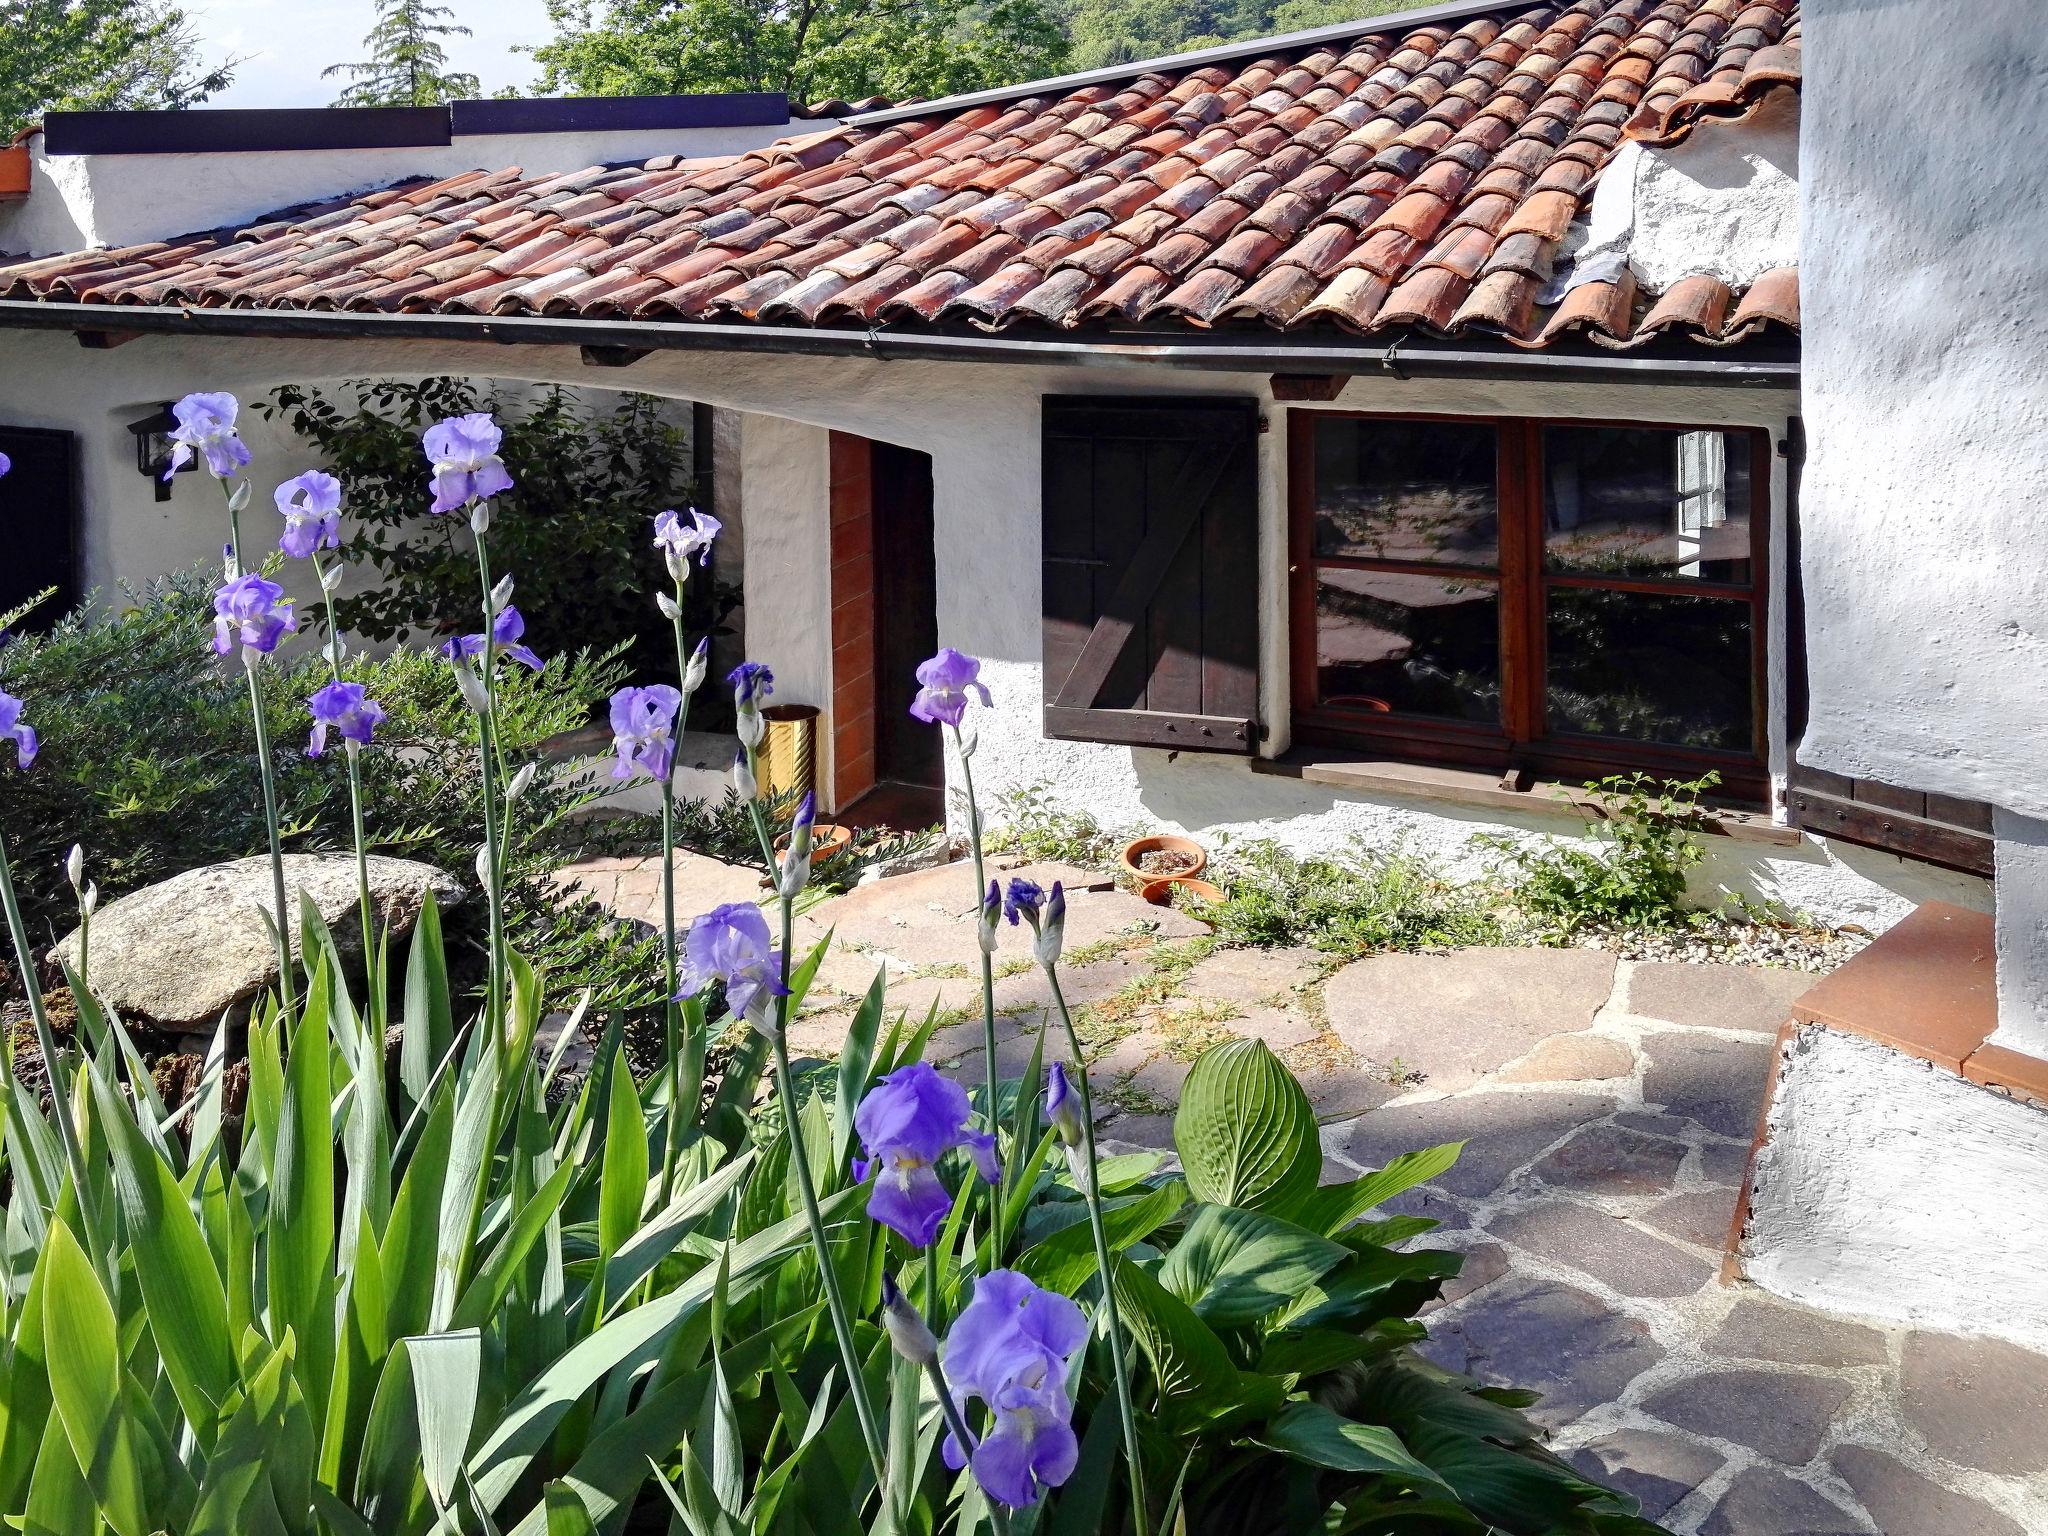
{"x": 153, "y": 445}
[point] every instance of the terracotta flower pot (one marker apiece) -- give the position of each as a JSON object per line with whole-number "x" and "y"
{"x": 1164, "y": 842}
{"x": 828, "y": 841}
{"x": 1160, "y": 892}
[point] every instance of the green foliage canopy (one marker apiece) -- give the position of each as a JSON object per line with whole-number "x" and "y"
{"x": 811, "y": 49}
{"x": 96, "y": 54}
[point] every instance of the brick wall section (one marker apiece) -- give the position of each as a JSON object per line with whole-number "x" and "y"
{"x": 853, "y": 620}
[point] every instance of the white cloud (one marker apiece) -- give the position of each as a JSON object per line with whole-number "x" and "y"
{"x": 285, "y": 44}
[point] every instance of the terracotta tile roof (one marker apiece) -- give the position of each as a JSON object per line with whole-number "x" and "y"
{"x": 1424, "y": 179}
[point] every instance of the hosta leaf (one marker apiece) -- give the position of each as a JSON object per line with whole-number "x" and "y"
{"x": 1191, "y": 1368}
{"x": 1245, "y": 1130}
{"x": 1330, "y": 1207}
{"x": 1235, "y": 1266}
{"x": 1065, "y": 1261}
{"x": 1315, "y": 1434}
{"x": 1501, "y": 1485}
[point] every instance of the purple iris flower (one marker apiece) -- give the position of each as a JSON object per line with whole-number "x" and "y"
{"x": 1023, "y": 898}
{"x": 13, "y": 729}
{"x": 944, "y": 684}
{"x": 206, "y": 426}
{"x": 343, "y": 707}
{"x": 751, "y": 683}
{"x": 678, "y": 539}
{"x": 464, "y": 452}
{"x": 643, "y": 730}
{"x": 6, "y": 464}
{"x": 506, "y": 630}
{"x": 907, "y": 1122}
{"x": 1011, "y": 1348}
{"x": 730, "y": 944}
{"x": 254, "y": 611}
{"x": 311, "y": 508}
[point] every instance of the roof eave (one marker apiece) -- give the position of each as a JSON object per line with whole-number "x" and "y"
{"x": 1770, "y": 363}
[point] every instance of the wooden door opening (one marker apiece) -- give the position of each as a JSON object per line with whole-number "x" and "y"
{"x": 888, "y": 768}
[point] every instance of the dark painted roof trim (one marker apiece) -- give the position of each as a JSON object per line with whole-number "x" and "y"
{"x": 1174, "y": 63}
{"x": 1748, "y": 366}
{"x": 246, "y": 130}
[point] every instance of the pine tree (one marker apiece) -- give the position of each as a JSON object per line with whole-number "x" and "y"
{"x": 407, "y": 66}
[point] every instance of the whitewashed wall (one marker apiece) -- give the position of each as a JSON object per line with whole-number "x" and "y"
{"x": 1926, "y": 376}
{"x": 79, "y": 201}
{"x": 980, "y": 423}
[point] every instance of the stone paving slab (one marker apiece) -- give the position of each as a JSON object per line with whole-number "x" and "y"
{"x": 1487, "y": 1007}
{"x": 1738, "y": 997}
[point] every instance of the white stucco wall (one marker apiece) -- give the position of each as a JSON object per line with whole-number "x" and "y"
{"x": 1926, "y": 376}
{"x": 1892, "y": 1188}
{"x": 980, "y": 423}
{"x": 1723, "y": 201}
{"x": 77, "y": 201}
{"x": 1926, "y": 373}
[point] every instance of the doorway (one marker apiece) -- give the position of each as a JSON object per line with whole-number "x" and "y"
{"x": 888, "y": 768}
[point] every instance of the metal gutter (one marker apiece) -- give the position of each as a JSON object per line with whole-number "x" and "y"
{"x": 1223, "y": 53}
{"x": 1400, "y": 356}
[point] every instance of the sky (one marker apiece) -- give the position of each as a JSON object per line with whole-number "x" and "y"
{"x": 286, "y": 43}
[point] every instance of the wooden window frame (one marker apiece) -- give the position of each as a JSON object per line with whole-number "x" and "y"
{"x": 1523, "y": 742}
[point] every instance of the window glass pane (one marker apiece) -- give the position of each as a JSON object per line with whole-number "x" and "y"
{"x": 1647, "y": 501}
{"x": 1389, "y": 643}
{"x": 1674, "y": 670}
{"x": 1407, "y": 490}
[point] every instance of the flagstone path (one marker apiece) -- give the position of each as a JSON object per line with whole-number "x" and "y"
{"x": 1606, "y": 1108}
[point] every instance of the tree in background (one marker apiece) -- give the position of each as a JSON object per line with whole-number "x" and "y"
{"x": 96, "y": 54}
{"x": 407, "y": 66}
{"x": 1107, "y": 32}
{"x": 811, "y": 49}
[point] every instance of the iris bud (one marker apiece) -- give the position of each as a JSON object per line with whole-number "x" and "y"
{"x": 471, "y": 687}
{"x": 480, "y": 518}
{"x": 670, "y": 608}
{"x": 700, "y": 662}
{"x": 483, "y": 865}
{"x": 331, "y": 579}
{"x": 501, "y": 594}
{"x": 743, "y": 777}
{"x": 906, "y": 1327}
{"x": 991, "y": 917}
{"x": 796, "y": 864}
{"x": 1052, "y": 928}
{"x": 74, "y": 866}
{"x": 238, "y": 498}
{"x": 522, "y": 781}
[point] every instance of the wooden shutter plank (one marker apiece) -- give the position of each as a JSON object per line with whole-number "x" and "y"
{"x": 1149, "y": 563}
{"x": 1946, "y": 831}
{"x": 1150, "y": 571}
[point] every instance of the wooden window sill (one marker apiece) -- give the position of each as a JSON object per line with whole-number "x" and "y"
{"x": 1489, "y": 791}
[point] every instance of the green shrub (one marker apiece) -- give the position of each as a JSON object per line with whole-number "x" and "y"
{"x": 1633, "y": 875}
{"x": 1352, "y": 905}
{"x": 150, "y": 762}
{"x": 575, "y": 528}
{"x": 1027, "y": 821}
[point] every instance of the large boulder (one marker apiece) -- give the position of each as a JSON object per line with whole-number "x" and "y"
{"x": 180, "y": 953}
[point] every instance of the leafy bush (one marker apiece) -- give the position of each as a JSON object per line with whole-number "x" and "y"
{"x": 574, "y": 528}
{"x": 505, "y": 1327}
{"x": 150, "y": 763}
{"x": 1346, "y": 906}
{"x": 1029, "y": 822}
{"x": 1633, "y": 876}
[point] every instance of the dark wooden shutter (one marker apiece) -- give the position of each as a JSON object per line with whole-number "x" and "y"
{"x": 38, "y": 522}
{"x": 1151, "y": 573}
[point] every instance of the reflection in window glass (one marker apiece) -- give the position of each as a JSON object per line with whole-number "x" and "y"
{"x": 1671, "y": 670}
{"x": 1407, "y": 490}
{"x": 1401, "y": 644}
{"x": 1647, "y": 501}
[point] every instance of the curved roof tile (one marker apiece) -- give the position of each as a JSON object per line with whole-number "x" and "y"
{"x": 1425, "y": 179}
